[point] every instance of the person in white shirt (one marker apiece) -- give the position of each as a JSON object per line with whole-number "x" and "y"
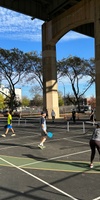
{"x": 43, "y": 128}
{"x": 53, "y": 115}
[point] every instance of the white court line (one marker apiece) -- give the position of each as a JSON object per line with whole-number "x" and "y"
{"x": 98, "y": 198}
{"x": 20, "y": 137}
{"x": 47, "y": 142}
{"x": 72, "y": 154}
{"x": 16, "y": 145}
{"x": 10, "y": 139}
{"x": 41, "y": 180}
{"x": 76, "y": 141}
{"x": 4, "y": 148}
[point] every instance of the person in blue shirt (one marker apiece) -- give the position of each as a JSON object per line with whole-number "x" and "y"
{"x": 43, "y": 128}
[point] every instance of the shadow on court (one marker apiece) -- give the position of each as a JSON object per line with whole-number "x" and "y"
{"x": 60, "y": 171}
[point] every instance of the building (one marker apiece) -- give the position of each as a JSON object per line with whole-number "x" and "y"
{"x": 18, "y": 92}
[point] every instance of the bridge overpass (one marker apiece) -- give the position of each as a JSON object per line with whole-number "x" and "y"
{"x": 61, "y": 16}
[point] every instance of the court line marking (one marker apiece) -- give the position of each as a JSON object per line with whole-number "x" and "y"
{"x": 50, "y": 158}
{"x": 35, "y": 142}
{"x": 57, "y": 170}
{"x": 4, "y": 148}
{"x": 54, "y": 158}
{"x": 38, "y": 134}
{"x": 77, "y": 141}
{"x": 10, "y": 139}
{"x": 98, "y": 198}
{"x": 39, "y": 179}
{"x": 20, "y": 137}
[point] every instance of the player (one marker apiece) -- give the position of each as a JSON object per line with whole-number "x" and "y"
{"x": 43, "y": 129}
{"x": 9, "y": 125}
{"x": 95, "y": 143}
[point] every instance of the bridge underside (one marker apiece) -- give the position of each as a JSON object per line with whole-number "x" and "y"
{"x": 61, "y": 16}
{"x": 42, "y": 9}
{"x": 46, "y": 10}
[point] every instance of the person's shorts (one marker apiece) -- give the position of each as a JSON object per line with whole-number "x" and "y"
{"x": 43, "y": 133}
{"x": 9, "y": 126}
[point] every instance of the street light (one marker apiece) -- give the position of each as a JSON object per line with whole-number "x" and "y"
{"x": 64, "y": 90}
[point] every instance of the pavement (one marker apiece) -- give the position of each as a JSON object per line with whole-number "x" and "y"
{"x": 59, "y": 172}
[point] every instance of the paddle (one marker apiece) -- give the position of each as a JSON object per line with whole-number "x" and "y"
{"x": 50, "y": 134}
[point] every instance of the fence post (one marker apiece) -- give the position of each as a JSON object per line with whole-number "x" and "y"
{"x": 68, "y": 126}
{"x": 19, "y": 121}
{"x": 83, "y": 127}
{"x": 25, "y": 121}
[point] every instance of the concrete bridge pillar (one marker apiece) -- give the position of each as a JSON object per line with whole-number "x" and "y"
{"x": 86, "y": 13}
{"x": 50, "y": 88}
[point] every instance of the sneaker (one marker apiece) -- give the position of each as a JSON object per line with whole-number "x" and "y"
{"x": 40, "y": 146}
{"x": 3, "y": 135}
{"x": 13, "y": 134}
{"x": 43, "y": 147}
{"x": 91, "y": 166}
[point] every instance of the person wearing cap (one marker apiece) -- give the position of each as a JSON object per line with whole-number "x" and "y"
{"x": 43, "y": 129}
{"x": 95, "y": 143}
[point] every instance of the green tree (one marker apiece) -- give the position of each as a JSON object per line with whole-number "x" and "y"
{"x": 1, "y": 101}
{"x": 25, "y": 101}
{"x": 13, "y": 64}
{"x": 37, "y": 100}
{"x": 60, "y": 99}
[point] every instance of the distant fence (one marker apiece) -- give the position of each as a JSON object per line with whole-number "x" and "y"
{"x": 27, "y": 121}
{"x": 21, "y": 121}
{"x": 80, "y": 125}
{"x": 69, "y": 125}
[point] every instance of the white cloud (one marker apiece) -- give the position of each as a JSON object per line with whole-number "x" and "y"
{"x": 82, "y": 82}
{"x": 74, "y": 36}
{"x": 16, "y": 26}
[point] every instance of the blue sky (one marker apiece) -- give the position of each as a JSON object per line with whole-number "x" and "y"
{"x": 19, "y": 31}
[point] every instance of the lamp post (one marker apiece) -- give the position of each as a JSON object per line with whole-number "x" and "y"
{"x": 64, "y": 90}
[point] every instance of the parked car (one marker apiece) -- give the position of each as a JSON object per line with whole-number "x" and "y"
{"x": 14, "y": 114}
{"x": 83, "y": 108}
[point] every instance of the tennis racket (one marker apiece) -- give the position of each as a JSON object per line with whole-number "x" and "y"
{"x": 50, "y": 134}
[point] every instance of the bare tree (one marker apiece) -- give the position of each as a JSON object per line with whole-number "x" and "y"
{"x": 75, "y": 69}
{"x": 13, "y": 64}
{"x": 35, "y": 69}
{"x": 90, "y": 70}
